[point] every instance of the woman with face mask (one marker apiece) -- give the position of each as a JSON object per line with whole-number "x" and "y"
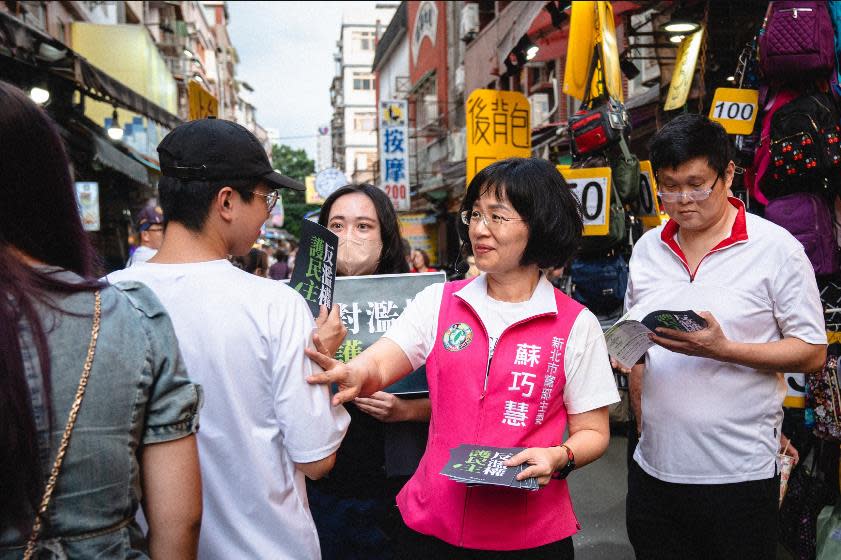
{"x": 354, "y": 508}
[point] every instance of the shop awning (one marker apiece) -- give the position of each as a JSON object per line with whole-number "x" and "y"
{"x": 30, "y": 46}
{"x": 106, "y": 154}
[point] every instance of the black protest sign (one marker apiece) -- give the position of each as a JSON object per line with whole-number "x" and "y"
{"x": 314, "y": 276}
{"x": 369, "y": 305}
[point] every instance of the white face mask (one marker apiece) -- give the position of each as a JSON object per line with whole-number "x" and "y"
{"x": 358, "y": 257}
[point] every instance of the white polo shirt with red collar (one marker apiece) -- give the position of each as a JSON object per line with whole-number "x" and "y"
{"x": 711, "y": 422}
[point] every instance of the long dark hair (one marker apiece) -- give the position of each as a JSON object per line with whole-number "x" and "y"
{"x": 392, "y": 260}
{"x": 39, "y": 219}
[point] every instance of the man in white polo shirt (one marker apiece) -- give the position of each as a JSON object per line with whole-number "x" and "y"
{"x": 704, "y": 482}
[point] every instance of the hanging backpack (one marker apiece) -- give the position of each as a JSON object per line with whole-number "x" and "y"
{"x": 797, "y": 41}
{"x": 805, "y": 146}
{"x": 807, "y": 217}
{"x": 762, "y": 156}
{"x": 625, "y": 173}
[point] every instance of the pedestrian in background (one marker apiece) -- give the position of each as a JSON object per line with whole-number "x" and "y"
{"x": 280, "y": 269}
{"x": 243, "y": 337}
{"x": 420, "y": 262}
{"x": 511, "y": 362}
{"x": 133, "y": 435}
{"x": 354, "y": 508}
{"x": 150, "y": 229}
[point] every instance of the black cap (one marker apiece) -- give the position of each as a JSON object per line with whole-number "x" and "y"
{"x": 218, "y": 150}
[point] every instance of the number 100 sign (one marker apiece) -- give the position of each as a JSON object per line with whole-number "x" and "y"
{"x": 592, "y": 188}
{"x": 735, "y": 109}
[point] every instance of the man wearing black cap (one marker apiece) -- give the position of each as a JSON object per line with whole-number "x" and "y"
{"x": 242, "y": 337}
{"x": 150, "y": 229}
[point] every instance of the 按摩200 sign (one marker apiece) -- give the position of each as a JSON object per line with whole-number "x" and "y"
{"x": 394, "y": 153}
{"x": 498, "y": 127}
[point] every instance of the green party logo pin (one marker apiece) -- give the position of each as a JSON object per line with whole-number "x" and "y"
{"x": 457, "y": 337}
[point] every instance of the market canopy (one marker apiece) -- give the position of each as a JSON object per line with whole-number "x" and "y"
{"x": 30, "y": 46}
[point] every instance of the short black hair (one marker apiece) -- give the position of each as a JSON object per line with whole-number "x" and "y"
{"x": 541, "y": 196}
{"x": 188, "y": 202}
{"x": 392, "y": 258}
{"x": 687, "y": 137}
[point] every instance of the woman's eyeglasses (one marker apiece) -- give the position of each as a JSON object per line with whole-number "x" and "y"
{"x": 473, "y": 218}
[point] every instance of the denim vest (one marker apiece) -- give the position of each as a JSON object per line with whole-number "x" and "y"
{"x": 138, "y": 393}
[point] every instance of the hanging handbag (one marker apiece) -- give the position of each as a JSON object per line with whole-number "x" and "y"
{"x": 68, "y": 430}
{"x": 625, "y": 173}
{"x": 808, "y": 493}
{"x": 600, "y": 122}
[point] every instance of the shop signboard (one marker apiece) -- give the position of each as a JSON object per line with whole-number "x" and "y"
{"x": 87, "y": 197}
{"x": 498, "y": 127}
{"x": 684, "y": 71}
{"x": 735, "y": 109}
{"x": 311, "y": 195}
{"x": 202, "y": 103}
{"x": 648, "y": 204}
{"x": 421, "y": 231}
{"x": 369, "y": 305}
{"x": 591, "y": 23}
{"x": 592, "y": 186}
{"x": 394, "y": 152}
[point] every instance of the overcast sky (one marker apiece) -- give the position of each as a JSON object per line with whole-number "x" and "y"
{"x": 286, "y": 54}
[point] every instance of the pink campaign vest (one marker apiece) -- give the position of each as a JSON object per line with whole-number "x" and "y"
{"x": 531, "y": 415}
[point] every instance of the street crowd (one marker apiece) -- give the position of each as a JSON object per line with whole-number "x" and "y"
{"x": 202, "y": 393}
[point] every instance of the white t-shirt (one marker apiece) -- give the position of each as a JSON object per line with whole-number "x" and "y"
{"x": 711, "y": 422}
{"x": 141, "y": 254}
{"x": 243, "y": 338}
{"x": 589, "y": 378}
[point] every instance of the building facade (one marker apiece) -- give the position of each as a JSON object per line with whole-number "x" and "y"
{"x": 352, "y": 93}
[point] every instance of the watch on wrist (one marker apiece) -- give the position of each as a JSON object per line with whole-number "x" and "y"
{"x": 563, "y": 472}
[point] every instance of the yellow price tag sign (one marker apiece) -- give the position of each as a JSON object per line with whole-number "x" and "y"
{"x": 735, "y": 109}
{"x": 650, "y": 213}
{"x": 592, "y": 186}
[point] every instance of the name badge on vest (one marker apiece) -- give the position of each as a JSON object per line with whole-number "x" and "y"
{"x": 457, "y": 337}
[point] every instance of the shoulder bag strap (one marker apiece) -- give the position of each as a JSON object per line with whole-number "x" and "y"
{"x": 68, "y": 429}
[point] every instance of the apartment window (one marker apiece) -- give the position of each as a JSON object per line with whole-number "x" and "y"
{"x": 364, "y": 122}
{"x": 426, "y": 98}
{"x": 363, "y": 40}
{"x": 363, "y": 81}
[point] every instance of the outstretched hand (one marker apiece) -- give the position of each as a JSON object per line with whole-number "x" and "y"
{"x": 335, "y": 371}
{"x": 709, "y": 342}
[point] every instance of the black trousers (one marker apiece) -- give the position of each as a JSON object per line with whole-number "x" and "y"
{"x": 701, "y": 521}
{"x": 412, "y": 545}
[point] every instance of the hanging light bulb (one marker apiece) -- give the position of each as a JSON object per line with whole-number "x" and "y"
{"x": 532, "y": 52}
{"x": 39, "y": 95}
{"x": 115, "y": 131}
{"x": 676, "y": 38}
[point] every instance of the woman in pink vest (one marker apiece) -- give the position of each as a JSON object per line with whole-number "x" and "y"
{"x": 511, "y": 362}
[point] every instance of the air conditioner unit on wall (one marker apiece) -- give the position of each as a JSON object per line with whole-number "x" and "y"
{"x": 469, "y": 21}
{"x": 539, "y": 108}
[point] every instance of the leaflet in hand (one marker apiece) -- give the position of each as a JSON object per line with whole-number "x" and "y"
{"x": 481, "y": 464}
{"x": 628, "y": 340}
